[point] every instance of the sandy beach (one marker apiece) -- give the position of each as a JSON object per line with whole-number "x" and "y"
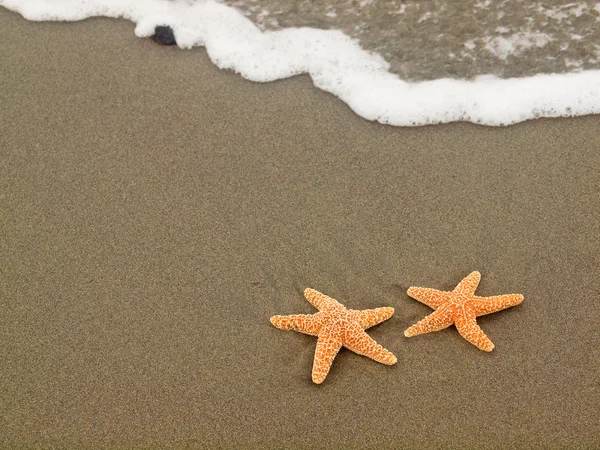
{"x": 157, "y": 211}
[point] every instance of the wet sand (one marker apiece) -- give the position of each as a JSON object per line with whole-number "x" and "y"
{"x": 156, "y": 212}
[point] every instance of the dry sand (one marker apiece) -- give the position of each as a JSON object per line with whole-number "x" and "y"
{"x": 156, "y": 211}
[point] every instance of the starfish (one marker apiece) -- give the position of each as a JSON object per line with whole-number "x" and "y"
{"x": 337, "y": 326}
{"x": 460, "y": 307}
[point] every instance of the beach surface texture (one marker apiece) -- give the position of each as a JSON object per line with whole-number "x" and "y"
{"x": 156, "y": 211}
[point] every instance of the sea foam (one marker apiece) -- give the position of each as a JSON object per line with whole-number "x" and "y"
{"x": 336, "y": 64}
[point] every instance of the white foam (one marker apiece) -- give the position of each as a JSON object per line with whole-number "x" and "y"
{"x": 401, "y": 10}
{"x": 563, "y": 12}
{"x": 503, "y": 46}
{"x": 337, "y": 64}
{"x": 425, "y": 17}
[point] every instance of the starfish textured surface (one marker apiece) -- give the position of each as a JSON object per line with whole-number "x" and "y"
{"x": 337, "y": 326}
{"x": 460, "y": 307}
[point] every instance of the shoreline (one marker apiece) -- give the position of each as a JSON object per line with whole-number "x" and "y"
{"x": 338, "y": 65}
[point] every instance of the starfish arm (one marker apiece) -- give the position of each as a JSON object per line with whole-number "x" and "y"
{"x": 303, "y": 323}
{"x": 358, "y": 341}
{"x": 488, "y": 305}
{"x": 468, "y": 285}
{"x": 437, "y": 320}
{"x": 371, "y": 317}
{"x": 320, "y": 301}
{"x": 327, "y": 348}
{"x": 468, "y": 328}
{"x": 430, "y": 297}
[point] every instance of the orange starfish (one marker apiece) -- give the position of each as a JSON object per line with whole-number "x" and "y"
{"x": 337, "y": 326}
{"x": 460, "y": 307}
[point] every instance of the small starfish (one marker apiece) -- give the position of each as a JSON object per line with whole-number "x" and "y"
{"x": 460, "y": 307}
{"x": 337, "y": 326}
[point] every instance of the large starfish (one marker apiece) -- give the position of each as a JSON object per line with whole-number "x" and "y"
{"x": 337, "y": 326}
{"x": 460, "y": 307}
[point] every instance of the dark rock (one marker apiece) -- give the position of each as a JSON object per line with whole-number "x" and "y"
{"x": 164, "y": 35}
